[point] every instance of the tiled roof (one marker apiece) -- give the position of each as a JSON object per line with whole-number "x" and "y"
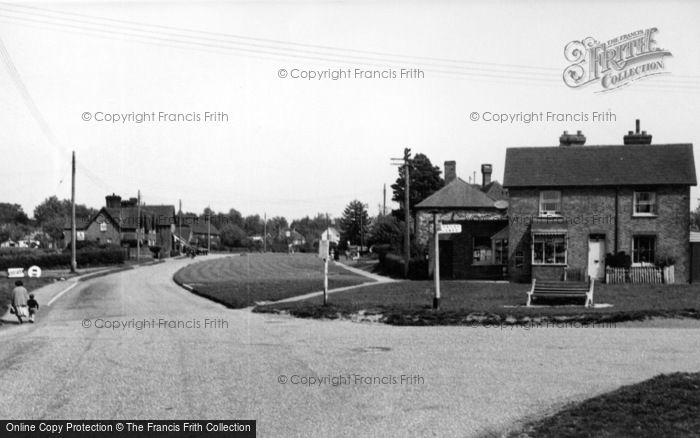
{"x": 668, "y": 164}
{"x": 457, "y": 194}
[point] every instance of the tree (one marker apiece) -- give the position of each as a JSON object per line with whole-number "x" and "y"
{"x": 695, "y": 220}
{"x": 424, "y": 180}
{"x": 253, "y": 225}
{"x": 276, "y": 227}
{"x": 53, "y": 214}
{"x": 386, "y": 230}
{"x": 232, "y": 235}
{"x": 354, "y": 224}
{"x": 12, "y": 214}
{"x": 311, "y": 228}
{"x": 50, "y": 209}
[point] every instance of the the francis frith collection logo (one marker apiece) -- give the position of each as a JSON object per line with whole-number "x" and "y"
{"x": 616, "y": 62}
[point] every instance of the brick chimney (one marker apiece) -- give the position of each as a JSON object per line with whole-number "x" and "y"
{"x": 637, "y": 137}
{"x": 450, "y": 171}
{"x": 486, "y": 170}
{"x": 567, "y": 139}
{"x": 113, "y": 201}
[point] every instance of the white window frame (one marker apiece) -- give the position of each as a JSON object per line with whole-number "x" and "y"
{"x": 103, "y": 227}
{"x": 652, "y": 202}
{"x": 550, "y": 213}
{"x": 544, "y": 262}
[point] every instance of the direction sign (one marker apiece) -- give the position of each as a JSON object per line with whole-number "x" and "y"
{"x": 450, "y": 228}
{"x": 323, "y": 249}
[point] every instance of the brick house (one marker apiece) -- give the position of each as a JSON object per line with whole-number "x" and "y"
{"x": 195, "y": 230}
{"x": 117, "y": 223}
{"x": 480, "y": 250}
{"x": 571, "y": 205}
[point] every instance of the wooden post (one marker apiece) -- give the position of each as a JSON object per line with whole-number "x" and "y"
{"x": 73, "y": 233}
{"x": 138, "y": 227}
{"x": 325, "y": 279}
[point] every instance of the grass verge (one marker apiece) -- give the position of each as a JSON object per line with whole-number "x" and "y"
{"x": 242, "y": 281}
{"x": 664, "y": 406}
{"x": 466, "y": 303}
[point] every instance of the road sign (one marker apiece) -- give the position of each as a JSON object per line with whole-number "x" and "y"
{"x": 34, "y": 271}
{"x": 450, "y": 228}
{"x": 323, "y": 249}
{"x": 15, "y": 272}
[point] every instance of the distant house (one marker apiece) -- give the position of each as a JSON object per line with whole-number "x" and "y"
{"x": 331, "y": 234}
{"x": 194, "y": 231}
{"x": 119, "y": 223}
{"x": 571, "y": 204}
{"x": 480, "y": 249}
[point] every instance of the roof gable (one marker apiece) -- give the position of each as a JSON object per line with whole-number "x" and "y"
{"x": 669, "y": 164}
{"x": 457, "y": 194}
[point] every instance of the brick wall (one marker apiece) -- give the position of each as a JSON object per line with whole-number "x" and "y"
{"x": 591, "y": 210}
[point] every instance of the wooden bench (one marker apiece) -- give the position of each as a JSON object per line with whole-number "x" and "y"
{"x": 561, "y": 289}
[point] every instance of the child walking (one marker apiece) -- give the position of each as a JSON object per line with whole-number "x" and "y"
{"x": 33, "y": 307}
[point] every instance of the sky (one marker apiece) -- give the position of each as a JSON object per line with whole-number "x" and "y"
{"x": 292, "y": 146}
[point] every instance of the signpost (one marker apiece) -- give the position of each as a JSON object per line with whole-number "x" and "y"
{"x": 324, "y": 252}
{"x": 439, "y": 228}
{"x": 15, "y": 272}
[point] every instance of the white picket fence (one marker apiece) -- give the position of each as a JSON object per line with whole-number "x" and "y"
{"x": 638, "y": 274}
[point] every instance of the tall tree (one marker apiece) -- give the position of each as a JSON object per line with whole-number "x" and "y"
{"x": 12, "y": 214}
{"x": 53, "y": 214}
{"x": 253, "y": 225}
{"x": 311, "y": 228}
{"x": 386, "y": 230}
{"x": 277, "y": 226}
{"x": 354, "y": 224}
{"x": 232, "y": 235}
{"x": 424, "y": 180}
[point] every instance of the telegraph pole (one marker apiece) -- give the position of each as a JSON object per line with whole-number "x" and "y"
{"x": 384, "y": 204}
{"x": 138, "y": 226}
{"x": 407, "y": 238}
{"x": 179, "y": 226}
{"x": 73, "y": 233}
{"x": 209, "y": 232}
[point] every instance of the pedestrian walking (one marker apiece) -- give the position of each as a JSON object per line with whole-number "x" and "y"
{"x": 20, "y": 297}
{"x": 33, "y": 307}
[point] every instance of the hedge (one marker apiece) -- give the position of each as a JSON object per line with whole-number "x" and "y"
{"x": 393, "y": 265}
{"x": 62, "y": 260}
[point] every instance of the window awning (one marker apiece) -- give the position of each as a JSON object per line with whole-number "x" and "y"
{"x": 549, "y": 227}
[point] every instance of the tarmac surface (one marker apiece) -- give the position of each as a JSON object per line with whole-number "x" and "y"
{"x": 134, "y": 345}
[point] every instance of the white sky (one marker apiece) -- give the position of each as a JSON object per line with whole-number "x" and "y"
{"x": 295, "y": 147}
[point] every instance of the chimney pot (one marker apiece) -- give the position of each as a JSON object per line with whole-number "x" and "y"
{"x": 578, "y": 132}
{"x": 637, "y": 125}
{"x": 486, "y": 170}
{"x": 450, "y": 171}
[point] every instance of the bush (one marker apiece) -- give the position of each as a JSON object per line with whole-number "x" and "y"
{"x": 619, "y": 260}
{"x": 393, "y": 265}
{"x": 98, "y": 257}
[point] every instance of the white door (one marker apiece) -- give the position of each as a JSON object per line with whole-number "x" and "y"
{"x": 596, "y": 258}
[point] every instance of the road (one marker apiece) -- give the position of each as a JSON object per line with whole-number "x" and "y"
{"x": 468, "y": 381}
